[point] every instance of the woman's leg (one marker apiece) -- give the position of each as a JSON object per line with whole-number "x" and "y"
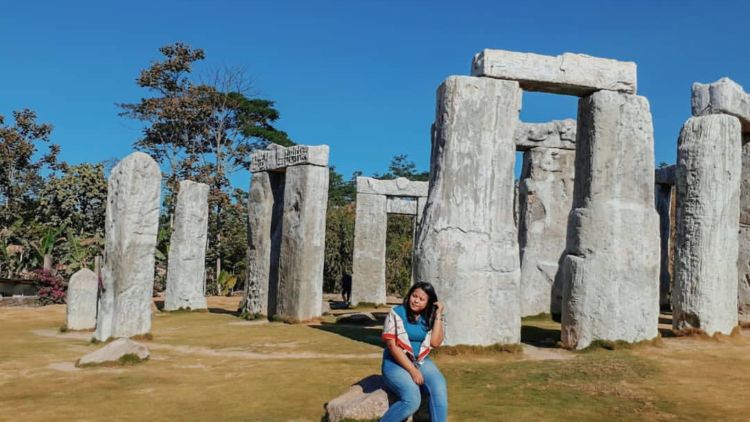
{"x": 435, "y": 384}
{"x": 399, "y": 381}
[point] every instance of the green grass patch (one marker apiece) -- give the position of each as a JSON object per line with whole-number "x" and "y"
{"x": 477, "y": 350}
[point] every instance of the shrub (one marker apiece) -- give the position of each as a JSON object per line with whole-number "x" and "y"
{"x": 51, "y": 288}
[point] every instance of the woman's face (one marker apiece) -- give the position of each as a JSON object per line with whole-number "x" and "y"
{"x": 418, "y": 301}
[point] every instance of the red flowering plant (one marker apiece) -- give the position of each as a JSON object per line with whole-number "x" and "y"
{"x": 50, "y": 287}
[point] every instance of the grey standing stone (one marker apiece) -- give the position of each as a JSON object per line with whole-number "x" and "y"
{"x": 724, "y": 96}
{"x": 368, "y": 263}
{"x": 610, "y": 271}
{"x": 743, "y": 259}
{"x": 560, "y": 134}
{"x": 709, "y": 167}
{"x": 303, "y": 243}
{"x": 187, "y": 249}
{"x": 545, "y": 198}
{"x": 265, "y": 211}
{"x": 467, "y": 243}
{"x": 131, "y": 226}
{"x": 568, "y": 73}
{"x": 81, "y": 300}
{"x": 663, "y": 199}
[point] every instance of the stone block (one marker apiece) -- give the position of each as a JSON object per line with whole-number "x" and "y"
{"x": 466, "y": 244}
{"x": 663, "y": 203}
{"x": 560, "y": 134}
{"x": 81, "y": 300}
{"x": 186, "y": 272}
{"x": 401, "y": 205}
{"x": 131, "y": 226}
{"x": 666, "y": 175}
{"x": 300, "y": 291}
{"x": 610, "y": 273}
{"x": 367, "y": 400}
{"x": 276, "y": 157}
{"x": 569, "y": 73}
{"x": 545, "y": 199}
{"x": 743, "y": 259}
{"x": 396, "y": 187}
{"x": 724, "y": 96}
{"x": 368, "y": 263}
{"x": 709, "y": 167}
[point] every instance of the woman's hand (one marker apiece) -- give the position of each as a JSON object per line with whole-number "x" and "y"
{"x": 438, "y": 308}
{"x": 416, "y": 376}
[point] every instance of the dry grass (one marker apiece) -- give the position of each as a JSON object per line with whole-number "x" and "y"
{"x": 216, "y": 366}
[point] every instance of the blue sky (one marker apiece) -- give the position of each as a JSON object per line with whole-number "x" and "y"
{"x": 357, "y": 75}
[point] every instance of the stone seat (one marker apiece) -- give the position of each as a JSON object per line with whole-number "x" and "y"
{"x": 368, "y": 399}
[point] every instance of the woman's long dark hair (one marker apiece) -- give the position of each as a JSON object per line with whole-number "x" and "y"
{"x": 428, "y": 311}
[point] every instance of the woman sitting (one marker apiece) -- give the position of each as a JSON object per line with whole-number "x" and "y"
{"x": 411, "y": 330}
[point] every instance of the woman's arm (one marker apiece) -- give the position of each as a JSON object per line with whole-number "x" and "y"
{"x": 436, "y": 338}
{"x": 400, "y": 357}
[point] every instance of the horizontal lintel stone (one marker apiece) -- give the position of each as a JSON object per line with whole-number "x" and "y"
{"x": 724, "y": 96}
{"x": 560, "y": 134}
{"x": 396, "y": 187}
{"x": 568, "y": 73}
{"x": 666, "y": 175}
{"x": 276, "y": 157}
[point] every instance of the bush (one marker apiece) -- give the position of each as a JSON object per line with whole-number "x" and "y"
{"x": 51, "y": 288}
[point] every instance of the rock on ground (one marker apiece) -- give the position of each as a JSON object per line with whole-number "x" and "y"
{"x": 112, "y": 352}
{"x": 368, "y": 399}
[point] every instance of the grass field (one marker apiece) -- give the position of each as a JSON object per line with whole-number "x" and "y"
{"x": 215, "y": 366}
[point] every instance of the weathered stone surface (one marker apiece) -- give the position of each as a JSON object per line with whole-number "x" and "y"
{"x": 663, "y": 203}
{"x": 368, "y": 262}
{"x": 610, "y": 272}
{"x": 724, "y": 96}
{"x": 81, "y": 300}
{"x": 401, "y": 205}
{"x": 368, "y": 399}
{"x": 131, "y": 225}
{"x": 187, "y": 249}
{"x": 569, "y": 73}
{"x": 396, "y": 187}
{"x": 559, "y": 134}
{"x": 709, "y": 167}
{"x": 113, "y": 351}
{"x": 303, "y": 243}
{"x": 265, "y": 212}
{"x": 277, "y": 157}
{"x": 666, "y": 175}
{"x": 545, "y": 198}
{"x": 743, "y": 259}
{"x": 467, "y": 244}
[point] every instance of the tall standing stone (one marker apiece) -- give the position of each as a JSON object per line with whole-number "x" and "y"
{"x": 709, "y": 167}
{"x": 546, "y": 195}
{"x": 187, "y": 249}
{"x": 368, "y": 263}
{"x": 81, "y": 300}
{"x": 131, "y": 225}
{"x": 467, "y": 243}
{"x": 610, "y": 271}
{"x": 743, "y": 259}
{"x": 663, "y": 201}
{"x": 300, "y": 295}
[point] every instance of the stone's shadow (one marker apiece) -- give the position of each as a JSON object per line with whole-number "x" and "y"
{"x": 338, "y": 304}
{"x": 159, "y": 304}
{"x": 224, "y": 311}
{"x": 667, "y": 321}
{"x": 365, "y": 334}
{"x": 540, "y": 337}
{"x": 667, "y": 332}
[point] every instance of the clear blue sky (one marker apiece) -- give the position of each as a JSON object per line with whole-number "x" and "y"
{"x": 357, "y": 75}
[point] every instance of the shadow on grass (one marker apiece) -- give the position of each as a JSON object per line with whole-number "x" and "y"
{"x": 540, "y": 337}
{"x": 223, "y": 311}
{"x": 369, "y": 335}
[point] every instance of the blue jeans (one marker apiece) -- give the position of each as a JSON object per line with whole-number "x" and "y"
{"x": 398, "y": 380}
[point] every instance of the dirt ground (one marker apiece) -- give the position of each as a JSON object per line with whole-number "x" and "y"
{"x": 215, "y": 366}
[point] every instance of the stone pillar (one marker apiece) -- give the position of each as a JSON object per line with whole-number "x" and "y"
{"x": 610, "y": 271}
{"x": 187, "y": 249}
{"x": 743, "y": 260}
{"x": 265, "y": 210}
{"x": 300, "y": 293}
{"x": 663, "y": 199}
{"x": 368, "y": 266}
{"x": 466, "y": 243}
{"x": 131, "y": 226}
{"x": 709, "y": 166}
{"x": 81, "y": 300}
{"x": 545, "y": 198}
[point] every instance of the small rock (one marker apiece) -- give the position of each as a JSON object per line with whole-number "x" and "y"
{"x": 360, "y": 318}
{"x": 368, "y": 399}
{"x": 113, "y": 352}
